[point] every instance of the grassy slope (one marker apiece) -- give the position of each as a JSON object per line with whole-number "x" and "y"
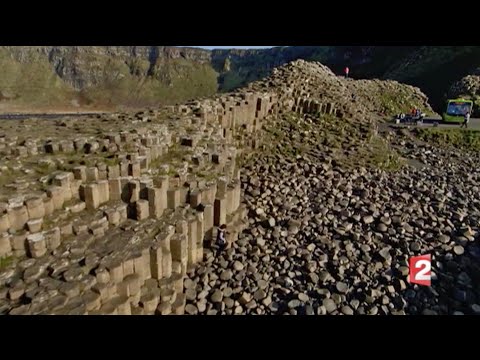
{"x": 458, "y": 138}
{"x": 33, "y": 84}
{"x": 172, "y": 81}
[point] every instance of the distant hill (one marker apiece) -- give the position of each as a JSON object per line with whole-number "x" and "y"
{"x": 115, "y": 77}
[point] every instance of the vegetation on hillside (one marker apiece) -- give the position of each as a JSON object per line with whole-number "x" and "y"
{"x": 100, "y": 78}
{"x": 459, "y": 138}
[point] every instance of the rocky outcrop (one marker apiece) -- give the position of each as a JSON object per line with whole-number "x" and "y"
{"x": 469, "y": 88}
{"x": 109, "y": 214}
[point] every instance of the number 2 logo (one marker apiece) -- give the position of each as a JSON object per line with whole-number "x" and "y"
{"x": 420, "y": 270}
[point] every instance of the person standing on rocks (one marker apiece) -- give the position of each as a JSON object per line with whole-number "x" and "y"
{"x": 347, "y": 71}
{"x": 221, "y": 238}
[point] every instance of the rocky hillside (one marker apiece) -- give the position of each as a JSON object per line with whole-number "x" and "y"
{"x": 323, "y": 206}
{"x": 432, "y": 68}
{"x": 335, "y": 211}
{"x": 468, "y": 87}
{"x": 109, "y": 77}
{"x": 352, "y": 96}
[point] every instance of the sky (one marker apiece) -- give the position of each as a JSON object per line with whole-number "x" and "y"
{"x": 232, "y": 47}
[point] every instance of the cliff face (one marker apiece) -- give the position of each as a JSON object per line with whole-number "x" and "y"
{"x": 104, "y": 77}
{"x": 139, "y": 76}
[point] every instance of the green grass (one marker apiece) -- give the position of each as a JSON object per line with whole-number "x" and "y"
{"x": 110, "y": 161}
{"x": 170, "y": 81}
{"x": 32, "y": 82}
{"x": 7, "y": 177}
{"x": 5, "y": 262}
{"x": 383, "y": 157}
{"x": 458, "y": 138}
{"x": 393, "y": 103}
{"x": 207, "y": 176}
{"x": 175, "y": 155}
{"x": 43, "y": 169}
{"x": 293, "y": 136}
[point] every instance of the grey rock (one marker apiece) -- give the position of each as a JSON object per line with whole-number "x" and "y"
{"x": 476, "y": 309}
{"x": 321, "y": 310}
{"x": 227, "y": 292}
{"x": 404, "y": 270}
{"x": 385, "y": 253}
{"x": 262, "y": 284}
{"x": 415, "y": 246}
{"x": 329, "y": 305}
{"x": 202, "y": 306}
{"x": 259, "y": 295}
{"x": 245, "y": 298}
{"x": 347, "y": 310}
{"x": 294, "y": 303}
{"x": 259, "y": 211}
{"x": 229, "y": 303}
{"x": 271, "y": 222}
{"x": 386, "y": 220}
{"x": 458, "y": 250}
{"x": 260, "y": 242}
{"x": 190, "y": 294}
{"x": 191, "y": 309}
{"x": 355, "y": 303}
{"x": 238, "y": 266}
{"x": 238, "y": 310}
{"x": 267, "y": 301}
{"x": 188, "y": 284}
{"x": 337, "y": 298}
{"x": 217, "y": 296}
{"x": 444, "y": 238}
{"x": 373, "y": 311}
{"x": 324, "y": 276}
{"x": 365, "y": 248}
{"x": 202, "y": 294}
{"x": 341, "y": 287}
{"x": 251, "y": 305}
{"x": 313, "y": 278}
{"x": 309, "y": 310}
{"x": 382, "y": 227}
{"x": 303, "y": 297}
{"x": 368, "y": 219}
{"x": 226, "y": 275}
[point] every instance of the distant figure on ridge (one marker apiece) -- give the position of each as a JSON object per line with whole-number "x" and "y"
{"x": 347, "y": 71}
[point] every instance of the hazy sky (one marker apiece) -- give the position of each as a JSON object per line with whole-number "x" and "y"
{"x": 230, "y": 47}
